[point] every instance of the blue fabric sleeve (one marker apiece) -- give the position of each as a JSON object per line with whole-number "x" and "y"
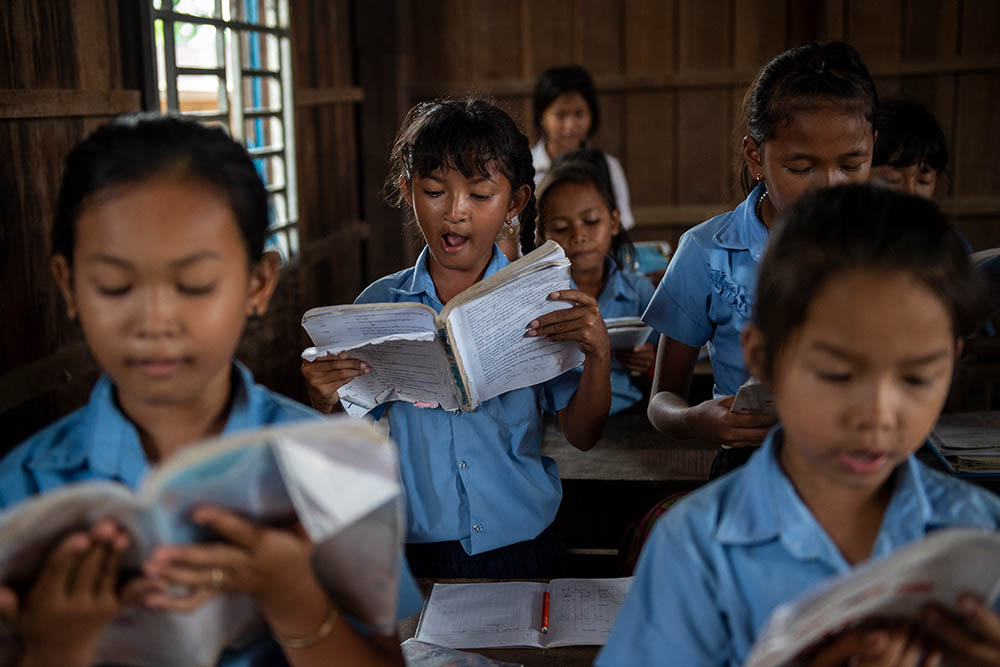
{"x": 559, "y": 391}
{"x": 679, "y": 307}
{"x": 670, "y": 615}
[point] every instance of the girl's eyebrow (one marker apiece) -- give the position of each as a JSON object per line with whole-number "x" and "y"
{"x": 841, "y": 353}
{"x": 105, "y": 258}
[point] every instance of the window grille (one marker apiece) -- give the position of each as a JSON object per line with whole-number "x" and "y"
{"x": 228, "y": 62}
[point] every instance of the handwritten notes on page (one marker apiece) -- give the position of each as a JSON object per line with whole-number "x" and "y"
{"x": 509, "y": 613}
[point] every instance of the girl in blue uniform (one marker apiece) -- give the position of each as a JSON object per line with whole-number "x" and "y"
{"x": 809, "y": 115}
{"x": 578, "y": 210}
{"x": 864, "y": 298}
{"x": 481, "y": 497}
{"x": 158, "y": 249}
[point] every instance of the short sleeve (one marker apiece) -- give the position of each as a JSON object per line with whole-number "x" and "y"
{"x": 620, "y": 185}
{"x": 559, "y": 391}
{"x": 679, "y": 306}
{"x": 670, "y": 615}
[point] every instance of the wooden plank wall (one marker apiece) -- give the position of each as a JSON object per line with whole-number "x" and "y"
{"x": 63, "y": 73}
{"x": 672, "y": 74}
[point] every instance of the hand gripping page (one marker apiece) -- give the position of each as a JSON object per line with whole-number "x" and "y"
{"x": 348, "y": 498}
{"x": 399, "y": 343}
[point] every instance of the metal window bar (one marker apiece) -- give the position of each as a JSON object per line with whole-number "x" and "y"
{"x": 243, "y": 18}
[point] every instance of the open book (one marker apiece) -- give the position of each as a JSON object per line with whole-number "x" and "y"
{"x": 471, "y": 351}
{"x": 509, "y": 613}
{"x": 935, "y": 569}
{"x": 752, "y": 396}
{"x": 338, "y": 477}
{"x": 968, "y": 443}
{"x": 627, "y": 332}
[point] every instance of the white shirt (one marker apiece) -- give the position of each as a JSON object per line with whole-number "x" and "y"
{"x": 542, "y": 161}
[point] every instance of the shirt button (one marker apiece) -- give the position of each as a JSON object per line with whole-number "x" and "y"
{"x": 463, "y": 465}
{"x": 477, "y": 527}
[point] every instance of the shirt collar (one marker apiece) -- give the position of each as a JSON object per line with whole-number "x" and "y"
{"x": 421, "y": 283}
{"x": 540, "y": 157}
{"x": 743, "y": 230}
{"x": 770, "y": 508}
{"x": 110, "y": 446}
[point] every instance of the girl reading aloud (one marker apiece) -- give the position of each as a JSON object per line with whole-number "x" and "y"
{"x": 481, "y": 497}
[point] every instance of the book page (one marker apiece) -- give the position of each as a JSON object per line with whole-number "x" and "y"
{"x": 488, "y": 334}
{"x": 402, "y": 370}
{"x": 582, "y": 611}
{"x": 483, "y": 615}
{"x": 935, "y": 569}
{"x": 338, "y": 328}
{"x": 628, "y": 338}
{"x": 31, "y": 529}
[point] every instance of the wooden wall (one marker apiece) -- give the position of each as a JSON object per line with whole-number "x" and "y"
{"x": 65, "y": 68}
{"x": 672, "y": 72}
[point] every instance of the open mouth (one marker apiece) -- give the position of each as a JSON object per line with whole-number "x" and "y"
{"x": 863, "y": 462}
{"x": 452, "y": 242}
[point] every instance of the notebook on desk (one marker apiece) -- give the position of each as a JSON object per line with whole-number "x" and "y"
{"x": 968, "y": 443}
{"x": 509, "y": 613}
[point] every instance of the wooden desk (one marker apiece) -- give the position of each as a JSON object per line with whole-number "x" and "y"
{"x": 564, "y": 656}
{"x": 607, "y": 488}
{"x": 630, "y": 451}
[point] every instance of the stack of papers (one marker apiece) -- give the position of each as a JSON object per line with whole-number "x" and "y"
{"x": 968, "y": 443}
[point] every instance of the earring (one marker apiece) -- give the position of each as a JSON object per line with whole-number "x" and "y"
{"x": 511, "y": 221}
{"x": 759, "y": 176}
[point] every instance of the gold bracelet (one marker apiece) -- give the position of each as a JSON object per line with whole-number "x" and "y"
{"x": 313, "y": 637}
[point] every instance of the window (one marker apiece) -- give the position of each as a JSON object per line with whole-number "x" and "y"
{"x": 228, "y": 62}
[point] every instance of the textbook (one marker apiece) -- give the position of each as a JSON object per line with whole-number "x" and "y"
{"x": 338, "y": 477}
{"x": 510, "y": 613}
{"x": 471, "y": 351}
{"x": 627, "y": 332}
{"x": 752, "y": 396}
{"x": 419, "y": 654}
{"x": 936, "y": 569}
{"x": 968, "y": 443}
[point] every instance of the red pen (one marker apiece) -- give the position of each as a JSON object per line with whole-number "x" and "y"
{"x": 545, "y": 613}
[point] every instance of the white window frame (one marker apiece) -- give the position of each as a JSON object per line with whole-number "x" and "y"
{"x": 232, "y": 111}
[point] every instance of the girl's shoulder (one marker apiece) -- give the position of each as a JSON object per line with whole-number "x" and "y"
{"x": 384, "y": 289}
{"x": 957, "y": 502}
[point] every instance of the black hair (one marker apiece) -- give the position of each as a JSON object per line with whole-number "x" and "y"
{"x": 556, "y": 81}
{"x": 830, "y": 231}
{"x": 136, "y": 148}
{"x": 908, "y": 135}
{"x": 805, "y": 78}
{"x": 473, "y": 136}
{"x": 586, "y": 166}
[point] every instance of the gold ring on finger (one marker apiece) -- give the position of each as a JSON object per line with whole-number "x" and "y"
{"x": 217, "y": 577}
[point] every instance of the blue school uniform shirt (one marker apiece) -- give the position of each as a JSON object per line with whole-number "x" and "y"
{"x": 719, "y": 562}
{"x": 98, "y": 442}
{"x": 625, "y": 294}
{"x": 477, "y": 477}
{"x": 707, "y": 292}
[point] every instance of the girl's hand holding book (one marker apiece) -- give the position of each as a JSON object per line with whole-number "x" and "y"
{"x": 971, "y": 639}
{"x": 61, "y": 618}
{"x": 639, "y": 359}
{"x": 272, "y": 565}
{"x": 713, "y": 420}
{"x": 325, "y": 376}
{"x": 896, "y": 645}
{"x": 582, "y": 323}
